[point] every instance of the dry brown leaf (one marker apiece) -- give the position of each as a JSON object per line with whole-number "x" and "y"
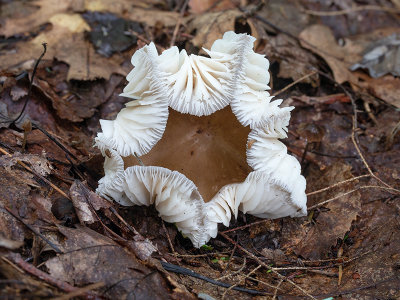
{"x": 294, "y": 61}
{"x": 48, "y": 8}
{"x": 66, "y": 42}
{"x": 200, "y": 6}
{"x": 9, "y": 244}
{"x": 320, "y": 40}
{"x": 92, "y": 257}
{"x": 126, "y": 9}
{"x": 211, "y": 26}
{"x": 386, "y": 88}
{"x": 334, "y": 223}
{"x": 84, "y": 201}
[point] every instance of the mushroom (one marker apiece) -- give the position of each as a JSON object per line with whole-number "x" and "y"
{"x": 201, "y": 172}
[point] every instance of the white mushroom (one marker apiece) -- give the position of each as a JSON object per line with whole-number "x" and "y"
{"x": 208, "y": 147}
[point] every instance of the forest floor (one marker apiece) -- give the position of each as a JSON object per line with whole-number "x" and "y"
{"x": 337, "y": 62}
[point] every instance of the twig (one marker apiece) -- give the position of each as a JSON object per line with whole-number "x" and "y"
{"x": 268, "y": 267}
{"x": 233, "y": 273}
{"x": 229, "y": 261}
{"x": 178, "y": 23}
{"x": 36, "y": 126}
{"x": 31, "y": 82}
{"x": 201, "y": 255}
{"x": 180, "y": 270}
{"x": 33, "y": 229}
{"x": 276, "y": 289}
{"x": 351, "y": 10}
{"x": 236, "y": 284}
{"x": 389, "y": 189}
{"x": 337, "y": 184}
{"x": 245, "y": 226}
{"x": 168, "y": 237}
{"x": 353, "y": 138}
{"x": 130, "y": 227}
{"x": 294, "y": 83}
{"x": 27, "y": 267}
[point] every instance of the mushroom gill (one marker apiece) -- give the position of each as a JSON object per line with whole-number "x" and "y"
{"x": 209, "y": 150}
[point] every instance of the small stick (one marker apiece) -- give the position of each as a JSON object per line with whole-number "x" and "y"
{"x": 27, "y": 267}
{"x": 168, "y": 237}
{"x": 294, "y": 83}
{"x": 337, "y": 184}
{"x": 351, "y": 10}
{"x": 131, "y": 228}
{"x": 180, "y": 270}
{"x": 276, "y": 289}
{"x": 393, "y": 190}
{"x": 236, "y": 284}
{"x": 33, "y": 230}
{"x": 268, "y": 267}
{"x": 178, "y": 23}
{"x": 31, "y": 82}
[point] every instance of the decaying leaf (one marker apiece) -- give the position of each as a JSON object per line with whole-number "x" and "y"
{"x": 332, "y": 224}
{"x": 382, "y": 57}
{"x": 201, "y": 6}
{"x": 9, "y": 244}
{"x": 294, "y": 61}
{"x": 85, "y": 202}
{"x": 320, "y": 40}
{"x": 211, "y": 26}
{"x": 66, "y": 42}
{"x": 38, "y": 163}
{"x": 386, "y": 88}
{"x": 341, "y": 59}
{"x": 92, "y": 257}
{"x": 110, "y": 33}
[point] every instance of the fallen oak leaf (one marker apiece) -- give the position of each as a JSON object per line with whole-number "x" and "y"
{"x": 66, "y": 42}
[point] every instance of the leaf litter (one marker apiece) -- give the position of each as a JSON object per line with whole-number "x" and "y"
{"x": 346, "y": 246}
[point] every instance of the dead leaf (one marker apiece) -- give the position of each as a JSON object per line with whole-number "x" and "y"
{"x": 320, "y": 40}
{"x": 211, "y": 26}
{"x": 285, "y": 15}
{"x": 92, "y": 257}
{"x": 382, "y": 57}
{"x": 386, "y": 88}
{"x": 200, "y": 6}
{"x": 26, "y": 23}
{"x": 129, "y": 11}
{"x": 10, "y": 244}
{"x": 85, "y": 201}
{"x": 111, "y": 34}
{"x": 14, "y": 193}
{"x": 38, "y": 163}
{"x": 336, "y": 221}
{"x": 66, "y": 42}
{"x": 294, "y": 61}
